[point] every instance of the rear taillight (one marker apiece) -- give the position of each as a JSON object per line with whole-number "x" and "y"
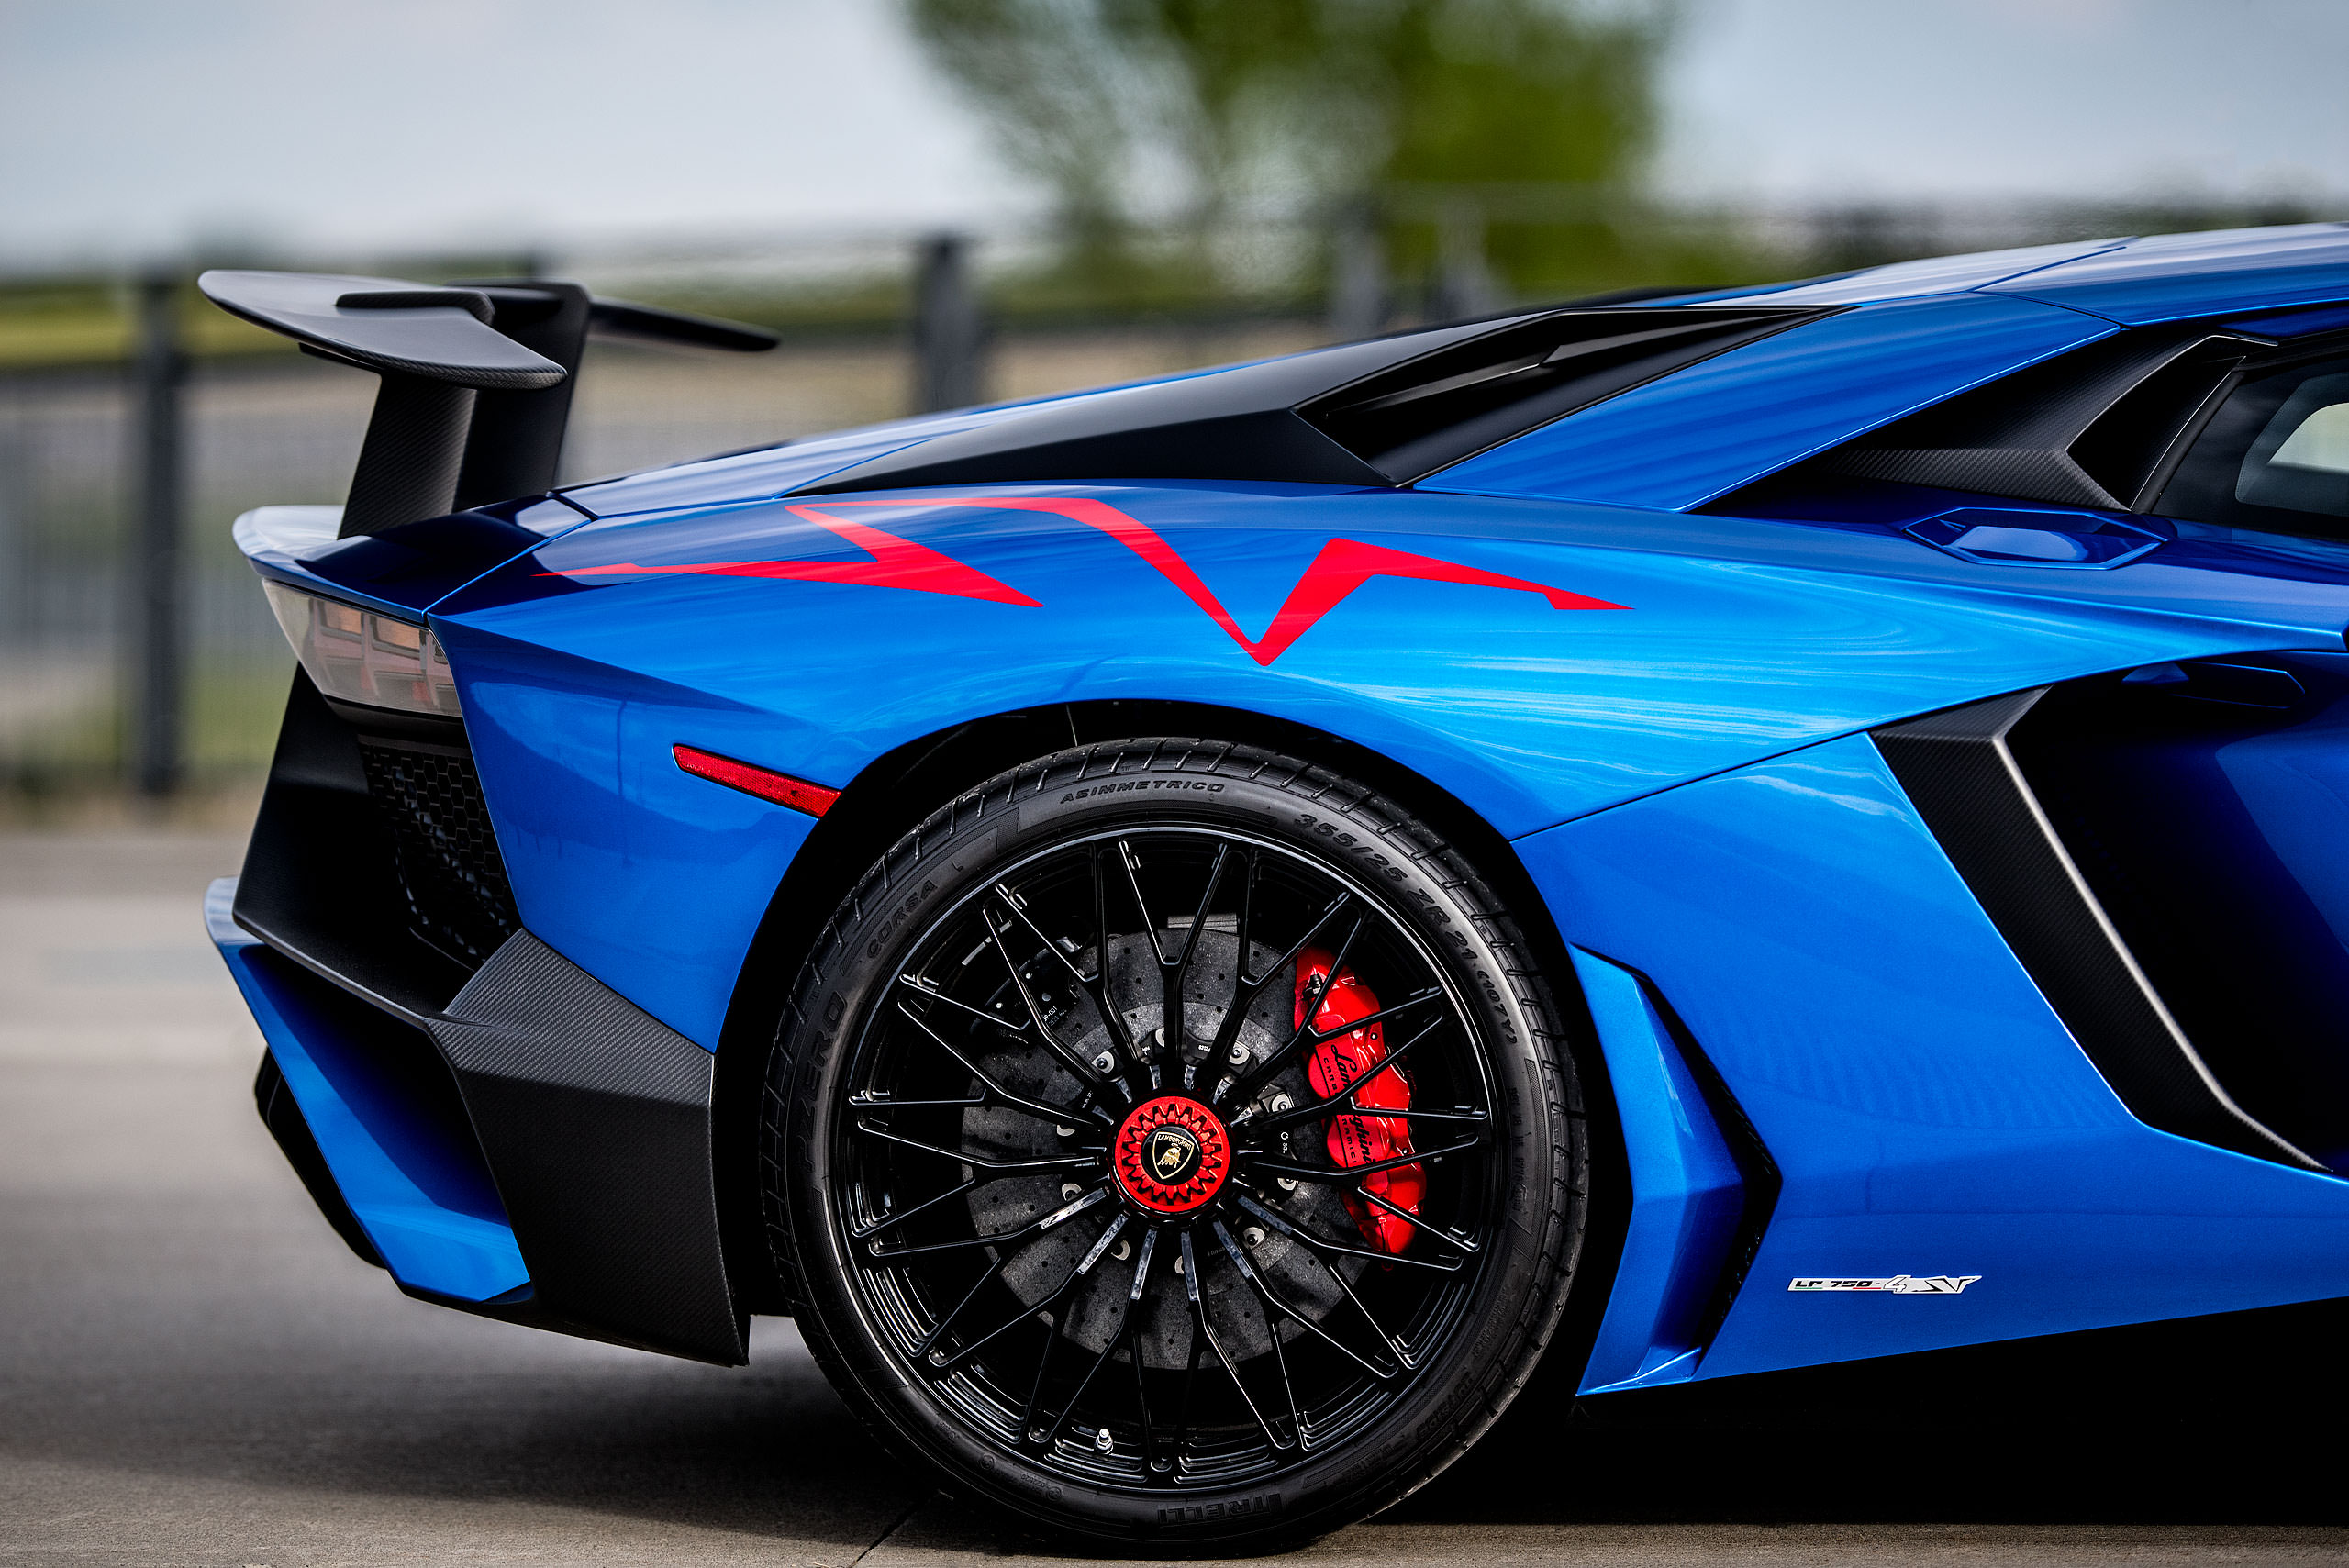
{"x": 364, "y": 656}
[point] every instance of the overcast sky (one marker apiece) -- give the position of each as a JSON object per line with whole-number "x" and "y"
{"x": 128, "y": 125}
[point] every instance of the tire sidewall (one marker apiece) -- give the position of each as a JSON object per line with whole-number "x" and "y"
{"x": 1428, "y": 889}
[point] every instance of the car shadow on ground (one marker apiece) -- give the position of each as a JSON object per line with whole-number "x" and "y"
{"x": 2222, "y": 1420}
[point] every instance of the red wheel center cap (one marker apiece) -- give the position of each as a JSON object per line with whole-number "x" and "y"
{"x": 1171, "y": 1154}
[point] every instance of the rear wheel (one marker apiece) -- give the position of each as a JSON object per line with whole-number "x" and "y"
{"x": 1171, "y": 1144}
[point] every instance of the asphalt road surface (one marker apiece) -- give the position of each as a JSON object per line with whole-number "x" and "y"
{"x": 192, "y": 1370}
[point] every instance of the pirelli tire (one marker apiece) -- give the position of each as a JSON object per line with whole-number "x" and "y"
{"x": 972, "y": 1040}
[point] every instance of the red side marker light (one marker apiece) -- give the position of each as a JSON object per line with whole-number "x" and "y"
{"x": 765, "y": 783}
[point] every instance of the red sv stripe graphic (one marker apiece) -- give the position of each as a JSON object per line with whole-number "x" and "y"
{"x": 1342, "y": 565}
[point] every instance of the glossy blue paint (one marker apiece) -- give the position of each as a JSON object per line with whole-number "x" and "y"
{"x": 1726, "y": 421}
{"x": 424, "y": 1199}
{"x": 2292, "y": 323}
{"x": 2171, "y": 277}
{"x": 1911, "y": 280}
{"x": 401, "y": 571}
{"x": 647, "y": 877}
{"x": 1685, "y": 1192}
{"x": 1757, "y": 639}
{"x": 1927, "y": 1112}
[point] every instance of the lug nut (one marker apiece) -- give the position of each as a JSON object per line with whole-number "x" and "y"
{"x": 1239, "y": 1055}
{"x": 1279, "y": 1103}
{"x": 1070, "y": 1189}
{"x": 1252, "y": 1237}
{"x": 1285, "y": 1183}
{"x": 1106, "y": 1063}
{"x": 1124, "y": 1249}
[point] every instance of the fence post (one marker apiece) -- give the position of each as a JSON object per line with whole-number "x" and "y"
{"x": 1465, "y": 285}
{"x": 949, "y": 334}
{"x": 1357, "y": 273}
{"x": 157, "y": 682}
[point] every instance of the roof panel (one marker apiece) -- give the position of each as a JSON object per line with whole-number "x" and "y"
{"x": 2170, "y": 277}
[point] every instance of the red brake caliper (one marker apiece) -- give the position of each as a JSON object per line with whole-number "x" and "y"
{"x": 1362, "y": 1140}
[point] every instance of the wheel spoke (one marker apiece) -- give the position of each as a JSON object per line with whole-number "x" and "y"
{"x": 1318, "y": 1037}
{"x": 1246, "y": 993}
{"x": 1117, "y": 1337}
{"x": 1207, "y": 1332}
{"x": 886, "y": 1221}
{"x": 1102, "y": 1085}
{"x": 1273, "y": 1333}
{"x": 1182, "y": 1406}
{"x": 1095, "y": 985}
{"x": 1273, "y": 1301}
{"x": 1323, "y": 1244}
{"x": 1460, "y": 1242}
{"x": 1342, "y": 1173}
{"x": 1175, "y": 974}
{"x": 1026, "y": 1233}
{"x": 1240, "y": 1088}
{"x": 924, "y": 989}
{"x": 1058, "y": 1114}
{"x": 1131, "y": 863}
{"x": 938, "y": 1329}
{"x": 1315, "y": 1110}
{"x": 1050, "y": 1304}
{"x": 1133, "y": 1348}
{"x": 978, "y": 1162}
{"x": 1401, "y": 1352}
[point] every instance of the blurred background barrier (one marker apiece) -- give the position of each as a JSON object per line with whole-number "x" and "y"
{"x": 138, "y": 661}
{"x": 1203, "y": 181}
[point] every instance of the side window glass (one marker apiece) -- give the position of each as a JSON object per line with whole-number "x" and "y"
{"x": 2300, "y": 461}
{"x": 2274, "y": 457}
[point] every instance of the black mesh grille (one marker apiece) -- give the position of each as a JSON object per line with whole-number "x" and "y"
{"x": 458, "y": 899}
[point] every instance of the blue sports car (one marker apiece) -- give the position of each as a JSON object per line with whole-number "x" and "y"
{"x": 1183, "y": 931}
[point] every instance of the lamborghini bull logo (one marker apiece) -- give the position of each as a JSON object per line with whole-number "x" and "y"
{"x": 1173, "y": 1155}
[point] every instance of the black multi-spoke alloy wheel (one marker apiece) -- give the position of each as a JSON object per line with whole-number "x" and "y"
{"x": 1172, "y": 1143}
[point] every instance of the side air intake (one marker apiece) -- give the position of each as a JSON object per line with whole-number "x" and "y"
{"x": 1444, "y": 406}
{"x": 1959, "y": 769}
{"x": 1381, "y": 413}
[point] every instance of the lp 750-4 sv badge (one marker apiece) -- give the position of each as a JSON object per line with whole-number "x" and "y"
{"x": 1897, "y": 1284}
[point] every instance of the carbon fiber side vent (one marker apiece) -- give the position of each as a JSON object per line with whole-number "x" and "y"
{"x": 2082, "y": 431}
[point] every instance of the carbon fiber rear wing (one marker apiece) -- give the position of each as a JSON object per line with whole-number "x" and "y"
{"x": 477, "y": 377}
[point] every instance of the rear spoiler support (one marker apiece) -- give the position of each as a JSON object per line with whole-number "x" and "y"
{"x": 477, "y": 377}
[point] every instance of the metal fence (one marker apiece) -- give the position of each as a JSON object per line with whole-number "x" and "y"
{"x": 288, "y": 429}
{"x": 90, "y": 586}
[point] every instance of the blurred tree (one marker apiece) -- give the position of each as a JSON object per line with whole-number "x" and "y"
{"x": 1533, "y": 114}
